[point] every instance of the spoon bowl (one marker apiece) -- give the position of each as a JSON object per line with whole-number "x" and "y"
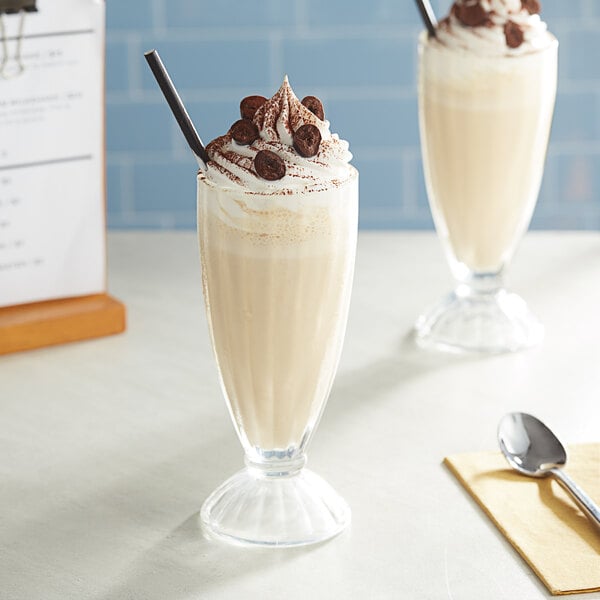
{"x": 529, "y": 446}
{"x": 532, "y": 449}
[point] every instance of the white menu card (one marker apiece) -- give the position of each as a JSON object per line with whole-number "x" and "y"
{"x": 52, "y": 187}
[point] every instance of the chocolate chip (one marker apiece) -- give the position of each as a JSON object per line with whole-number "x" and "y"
{"x": 533, "y": 7}
{"x": 471, "y": 15}
{"x": 315, "y": 106}
{"x": 307, "y": 139}
{"x": 250, "y": 104}
{"x": 244, "y": 132}
{"x": 513, "y": 34}
{"x": 269, "y": 166}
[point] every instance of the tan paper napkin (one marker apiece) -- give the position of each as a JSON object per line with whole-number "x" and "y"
{"x": 538, "y": 517}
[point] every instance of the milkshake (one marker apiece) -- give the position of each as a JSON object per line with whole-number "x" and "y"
{"x": 277, "y": 221}
{"x": 487, "y": 86}
{"x": 277, "y": 276}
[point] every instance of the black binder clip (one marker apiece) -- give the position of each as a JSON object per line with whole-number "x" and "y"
{"x": 9, "y": 69}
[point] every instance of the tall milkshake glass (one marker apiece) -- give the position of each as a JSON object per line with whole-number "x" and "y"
{"x": 485, "y": 120}
{"x": 277, "y": 267}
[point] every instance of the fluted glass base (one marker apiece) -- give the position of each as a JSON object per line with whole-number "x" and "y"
{"x": 490, "y": 322}
{"x": 259, "y": 506}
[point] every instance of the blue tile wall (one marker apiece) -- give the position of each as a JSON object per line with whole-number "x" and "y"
{"x": 159, "y": 184}
{"x": 113, "y": 189}
{"x": 584, "y": 52}
{"x": 576, "y": 117}
{"x": 392, "y": 125}
{"x": 149, "y": 122}
{"x": 376, "y": 12}
{"x": 135, "y": 16}
{"x": 360, "y": 61}
{"x": 229, "y": 14}
{"x": 117, "y": 77}
{"x": 360, "y": 57}
{"x": 242, "y": 64}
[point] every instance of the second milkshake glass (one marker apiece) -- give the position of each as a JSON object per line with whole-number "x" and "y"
{"x": 277, "y": 274}
{"x": 485, "y": 123}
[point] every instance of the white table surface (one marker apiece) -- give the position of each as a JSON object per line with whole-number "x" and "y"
{"x": 109, "y": 447}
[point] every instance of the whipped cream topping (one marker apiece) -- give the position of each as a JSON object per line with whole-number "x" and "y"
{"x": 231, "y": 164}
{"x": 490, "y": 37}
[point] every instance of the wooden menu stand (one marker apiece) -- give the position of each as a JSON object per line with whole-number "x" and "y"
{"x": 29, "y": 326}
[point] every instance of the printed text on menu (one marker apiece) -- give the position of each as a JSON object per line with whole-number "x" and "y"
{"x": 52, "y": 240}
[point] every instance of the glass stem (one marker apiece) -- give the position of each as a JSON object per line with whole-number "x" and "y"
{"x": 276, "y": 467}
{"x": 480, "y": 284}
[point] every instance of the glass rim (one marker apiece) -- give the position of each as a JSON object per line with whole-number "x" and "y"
{"x": 353, "y": 175}
{"x": 425, "y": 41}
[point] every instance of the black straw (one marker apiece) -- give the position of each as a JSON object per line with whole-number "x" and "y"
{"x": 427, "y": 16}
{"x": 172, "y": 97}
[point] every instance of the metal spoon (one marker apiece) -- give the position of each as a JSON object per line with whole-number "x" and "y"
{"x": 532, "y": 449}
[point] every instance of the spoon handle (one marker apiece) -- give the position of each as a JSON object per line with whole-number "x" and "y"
{"x": 591, "y": 509}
